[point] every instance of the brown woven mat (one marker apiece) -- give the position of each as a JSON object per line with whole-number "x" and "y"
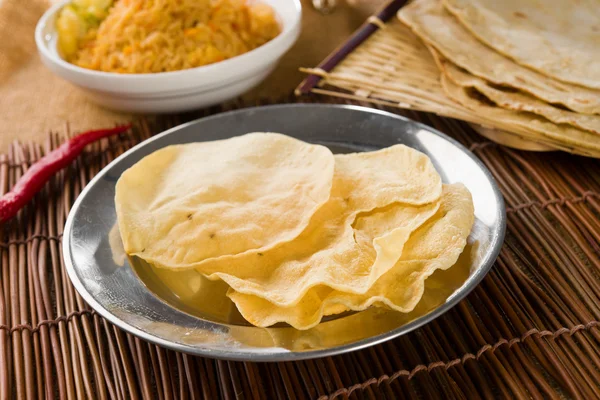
{"x": 529, "y": 330}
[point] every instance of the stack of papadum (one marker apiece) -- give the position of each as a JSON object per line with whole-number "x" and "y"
{"x": 529, "y": 67}
{"x": 296, "y": 232}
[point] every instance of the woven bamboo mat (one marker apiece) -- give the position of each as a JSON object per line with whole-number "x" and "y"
{"x": 530, "y": 330}
{"x": 384, "y": 63}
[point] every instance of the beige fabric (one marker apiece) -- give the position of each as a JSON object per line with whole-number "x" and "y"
{"x": 32, "y": 99}
{"x": 559, "y": 38}
{"x": 438, "y": 28}
{"x": 518, "y": 101}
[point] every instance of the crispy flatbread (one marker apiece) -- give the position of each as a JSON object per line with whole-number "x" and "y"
{"x": 438, "y": 28}
{"x": 566, "y": 135}
{"x": 327, "y": 252}
{"x": 185, "y": 204}
{"x": 435, "y": 245}
{"x": 517, "y": 101}
{"x": 558, "y": 38}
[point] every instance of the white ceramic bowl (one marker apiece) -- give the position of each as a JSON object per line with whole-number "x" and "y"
{"x": 173, "y": 91}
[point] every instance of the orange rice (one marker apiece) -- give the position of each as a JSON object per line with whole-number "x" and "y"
{"x": 146, "y": 36}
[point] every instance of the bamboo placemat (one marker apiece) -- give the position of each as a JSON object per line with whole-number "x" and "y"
{"x": 530, "y": 330}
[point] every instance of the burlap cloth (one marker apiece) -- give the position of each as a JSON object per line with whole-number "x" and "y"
{"x": 34, "y": 101}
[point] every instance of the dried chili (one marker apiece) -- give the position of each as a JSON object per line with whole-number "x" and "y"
{"x": 40, "y": 172}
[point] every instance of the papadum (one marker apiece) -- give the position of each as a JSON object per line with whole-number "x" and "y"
{"x": 327, "y": 252}
{"x": 436, "y": 244}
{"x": 185, "y": 204}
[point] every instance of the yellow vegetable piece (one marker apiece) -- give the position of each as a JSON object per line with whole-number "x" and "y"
{"x": 70, "y": 26}
{"x": 74, "y": 22}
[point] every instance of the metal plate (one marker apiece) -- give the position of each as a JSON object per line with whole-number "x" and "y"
{"x": 135, "y": 297}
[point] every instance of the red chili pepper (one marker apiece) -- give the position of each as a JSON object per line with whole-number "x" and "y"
{"x": 40, "y": 172}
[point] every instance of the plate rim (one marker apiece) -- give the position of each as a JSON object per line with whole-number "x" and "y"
{"x": 287, "y": 355}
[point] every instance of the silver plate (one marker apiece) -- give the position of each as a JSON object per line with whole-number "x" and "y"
{"x": 133, "y": 297}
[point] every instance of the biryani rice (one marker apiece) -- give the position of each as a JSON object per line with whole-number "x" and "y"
{"x": 149, "y": 36}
